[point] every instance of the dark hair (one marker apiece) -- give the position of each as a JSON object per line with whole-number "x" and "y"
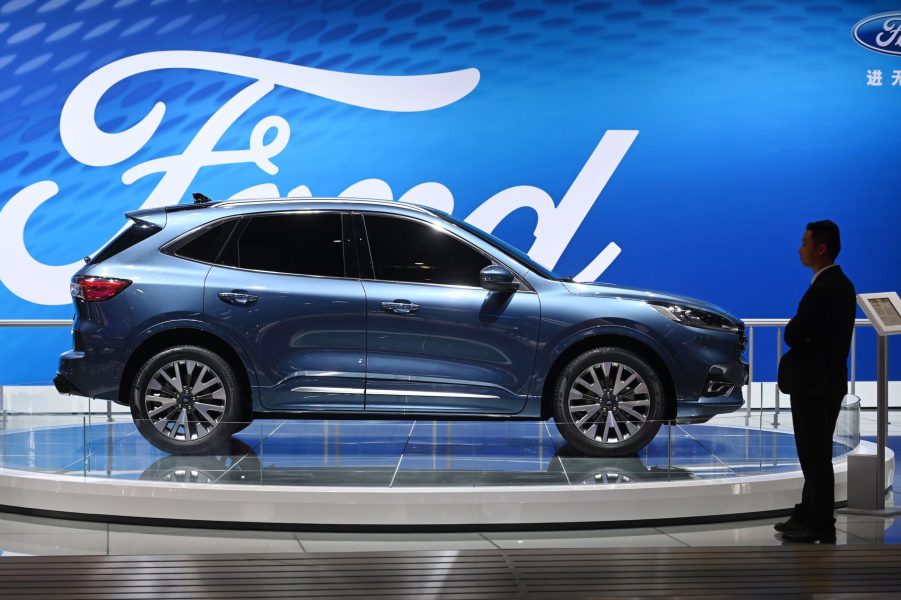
{"x": 826, "y": 232}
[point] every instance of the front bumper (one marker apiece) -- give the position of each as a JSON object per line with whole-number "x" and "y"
{"x": 722, "y": 393}
{"x": 706, "y": 407}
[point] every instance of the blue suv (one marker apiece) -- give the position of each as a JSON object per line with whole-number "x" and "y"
{"x": 203, "y": 317}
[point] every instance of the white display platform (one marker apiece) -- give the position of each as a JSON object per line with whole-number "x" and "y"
{"x": 186, "y": 497}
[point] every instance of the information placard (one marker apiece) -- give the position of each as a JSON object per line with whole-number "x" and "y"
{"x": 884, "y": 311}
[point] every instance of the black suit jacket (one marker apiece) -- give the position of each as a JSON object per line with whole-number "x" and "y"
{"x": 820, "y": 333}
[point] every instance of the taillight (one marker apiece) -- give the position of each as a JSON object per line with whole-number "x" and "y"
{"x": 97, "y": 289}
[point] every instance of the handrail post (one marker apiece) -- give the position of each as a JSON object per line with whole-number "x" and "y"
{"x": 778, "y": 358}
{"x": 854, "y": 361}
{"x": 881, "y": 416}
{"x": 750, "y": 374}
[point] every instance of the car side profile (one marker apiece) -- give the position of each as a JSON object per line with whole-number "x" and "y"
{"x": 203, "y": 317}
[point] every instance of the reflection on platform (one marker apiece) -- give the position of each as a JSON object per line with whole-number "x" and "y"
{"x": 400, "y": 454}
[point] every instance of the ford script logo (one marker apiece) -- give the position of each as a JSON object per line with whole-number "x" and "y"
{"x": 89, "y": 144}
{"x": 880, "y": 33}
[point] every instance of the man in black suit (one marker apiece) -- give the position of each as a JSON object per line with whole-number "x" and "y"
{"x": 819, "y": 336}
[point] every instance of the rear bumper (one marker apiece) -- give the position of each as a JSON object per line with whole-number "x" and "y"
{"x": 68, "y": 374}
{"x": 64, "y": 386}
{"x": 81, "y": 376}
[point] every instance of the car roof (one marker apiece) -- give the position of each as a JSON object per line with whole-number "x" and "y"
{"x": 331, "y": 201}
{"x": 276, "y": 204}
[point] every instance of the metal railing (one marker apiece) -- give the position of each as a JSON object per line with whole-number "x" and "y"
{"x": 779, "y": 324}
{"x": 41, "y": 323}
{"x": 35, "y": 322}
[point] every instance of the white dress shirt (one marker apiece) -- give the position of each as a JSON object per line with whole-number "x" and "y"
{"x": 817, "y": 274}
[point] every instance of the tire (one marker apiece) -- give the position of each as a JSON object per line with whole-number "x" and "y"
{"x": 187, "y": 400}
{"x": 608, "y": 402}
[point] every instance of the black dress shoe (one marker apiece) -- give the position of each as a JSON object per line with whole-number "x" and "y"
{"x": 809, "y": 536}
{"x": 791, "y": 525}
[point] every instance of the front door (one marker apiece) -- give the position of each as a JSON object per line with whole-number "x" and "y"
{"x": 436, "y": 341}
{"x": 285, "y": 293}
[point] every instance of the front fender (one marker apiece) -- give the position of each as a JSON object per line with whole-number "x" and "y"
{"x": 633, "y": 331}
{"x": 555, "y": 348}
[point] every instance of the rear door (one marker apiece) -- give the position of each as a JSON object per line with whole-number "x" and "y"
{"x": 287, "y": 289}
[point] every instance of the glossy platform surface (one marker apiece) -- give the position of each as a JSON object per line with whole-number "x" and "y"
{"x": 400, "y": 454}
{"x": 396, "y": 475}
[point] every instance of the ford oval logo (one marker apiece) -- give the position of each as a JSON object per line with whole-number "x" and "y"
{"x": 880, "y": 33}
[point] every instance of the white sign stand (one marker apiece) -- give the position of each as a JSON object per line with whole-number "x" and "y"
{"x": 884, "y": 311}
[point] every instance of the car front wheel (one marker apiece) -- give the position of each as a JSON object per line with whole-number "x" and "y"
{"x": 187, "y": 400}
{"x": 608, "y": 402}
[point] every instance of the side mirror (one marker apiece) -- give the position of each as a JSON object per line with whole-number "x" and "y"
{"x": 498, "y": 279}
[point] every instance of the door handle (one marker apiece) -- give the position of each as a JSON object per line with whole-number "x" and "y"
{"x": 239, "y": 297}
{"x": 400, "y": 307}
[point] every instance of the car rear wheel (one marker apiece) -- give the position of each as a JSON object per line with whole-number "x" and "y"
{"x": 608, "y": 402}
{"x": 187, "y": 400}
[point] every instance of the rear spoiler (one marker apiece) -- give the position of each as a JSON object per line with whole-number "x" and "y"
{"x": 157, "y": 216}
{"x": 150, "y": 216}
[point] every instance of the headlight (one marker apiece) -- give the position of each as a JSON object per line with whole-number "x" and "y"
{"x": 694, "y": 317}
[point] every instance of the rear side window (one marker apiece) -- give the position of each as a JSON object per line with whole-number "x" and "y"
{"x": 405, "y": 250}
{"x": 135, "y": 234}
{"x": 293, "y": 243}
{"x": 205, "y": 246}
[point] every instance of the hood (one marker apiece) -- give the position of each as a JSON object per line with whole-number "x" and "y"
{"x": 607, "y": 290}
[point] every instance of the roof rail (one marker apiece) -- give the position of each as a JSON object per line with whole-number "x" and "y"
{"x": 250, "y": 201}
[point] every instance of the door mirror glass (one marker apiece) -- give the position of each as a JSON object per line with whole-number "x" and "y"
{"x": 498, "y": 279}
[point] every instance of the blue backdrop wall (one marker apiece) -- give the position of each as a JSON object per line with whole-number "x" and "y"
{"x": 668, "y": 144}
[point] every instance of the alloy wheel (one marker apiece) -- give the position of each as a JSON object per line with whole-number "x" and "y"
{"x": 185, "y": 400}
{"x": 609, "y": 402}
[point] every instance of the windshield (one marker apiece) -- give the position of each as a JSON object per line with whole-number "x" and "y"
{"x": 500, "y": 244}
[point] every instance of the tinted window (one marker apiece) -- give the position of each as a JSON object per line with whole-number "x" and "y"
{"x": 299, "y": 244}
{"x": 501, "y": 244}
{"x": 404, "y": 250}
{"x": 205, "y": 246}
{"x": 128, "y": 238}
